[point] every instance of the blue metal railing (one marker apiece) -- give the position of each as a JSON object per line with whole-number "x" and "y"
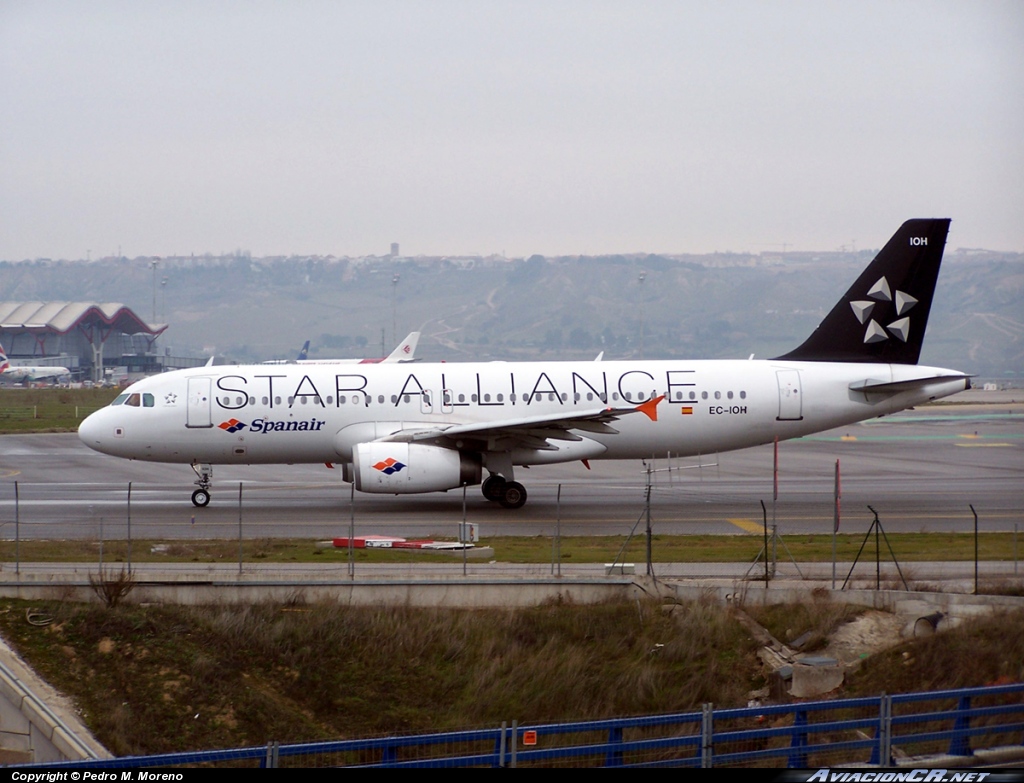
{"x": 852, "y": 731}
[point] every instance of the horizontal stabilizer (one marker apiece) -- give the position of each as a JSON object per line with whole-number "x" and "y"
{"x": 871, "y": 386}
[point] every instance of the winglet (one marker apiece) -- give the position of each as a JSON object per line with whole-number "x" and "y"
{"x": 650, "y": 408}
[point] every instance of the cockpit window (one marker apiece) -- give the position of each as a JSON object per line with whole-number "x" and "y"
{"x": 119, "y": 399}
{"x": 133, "y": 400}
{"x": 148, "y": 400}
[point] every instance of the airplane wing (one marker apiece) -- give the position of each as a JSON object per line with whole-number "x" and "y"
{"x": 530, "y": 432}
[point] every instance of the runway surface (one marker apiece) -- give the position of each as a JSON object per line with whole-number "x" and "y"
{"x": 919, "y": 469}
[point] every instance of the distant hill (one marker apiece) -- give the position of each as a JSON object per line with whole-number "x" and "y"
{"x": 711, "y": 306}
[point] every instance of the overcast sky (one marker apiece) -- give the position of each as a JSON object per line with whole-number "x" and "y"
{"x": 168, "y": 128}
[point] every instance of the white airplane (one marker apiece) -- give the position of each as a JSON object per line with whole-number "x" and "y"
{"x": 434, "y": 427}
{"x": 403, "y": 353}
{"x": 24, "y": 372}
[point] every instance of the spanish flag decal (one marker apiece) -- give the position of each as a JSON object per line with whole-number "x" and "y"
{"x": 686, "y": 410}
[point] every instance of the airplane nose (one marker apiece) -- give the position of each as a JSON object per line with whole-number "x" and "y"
{"x": 90, "y": 431}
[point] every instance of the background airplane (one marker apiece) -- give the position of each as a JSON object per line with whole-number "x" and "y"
{"x": 25, "y": 372}
{"x": 434, "y": 427}
{"x": 404, "y": 352}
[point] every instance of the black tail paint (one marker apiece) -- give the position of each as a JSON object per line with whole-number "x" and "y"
{"x": 883, "y": 316}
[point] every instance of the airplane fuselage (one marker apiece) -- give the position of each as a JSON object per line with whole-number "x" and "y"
{"x": 309, "y": 414}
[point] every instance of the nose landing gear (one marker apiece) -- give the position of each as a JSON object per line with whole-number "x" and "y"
{"x": 204, "y": 480}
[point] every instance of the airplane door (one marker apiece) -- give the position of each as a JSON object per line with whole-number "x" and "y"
{"x": 447, "y": 406}
{"x": 790, "y": 397}
{"x": 199, "y": 403}
{"x": 426, "y": 401}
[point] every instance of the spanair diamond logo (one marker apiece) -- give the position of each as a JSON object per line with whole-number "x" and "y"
{"x": 901, "y": 302}
{"x": 232, "y": 425}
{"x": 389, "y": 466}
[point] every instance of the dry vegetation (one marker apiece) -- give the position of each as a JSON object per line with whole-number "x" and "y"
{"x": 157, "y": 679}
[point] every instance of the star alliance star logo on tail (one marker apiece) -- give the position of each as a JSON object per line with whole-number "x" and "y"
{"x": 389, "y": 466}
{"x": 232, "y": 425}
{"x": 881, "y": 292}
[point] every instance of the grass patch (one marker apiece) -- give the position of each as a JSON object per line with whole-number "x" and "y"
{"x": 158, "y": 679}
{"x": 49, "y": 410}
{"x": 150, "y": 679}
{"x": 909, "y": 547}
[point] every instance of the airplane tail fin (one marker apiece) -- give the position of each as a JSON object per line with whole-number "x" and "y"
{"x": 304, "y": 352}
{"x": 882, "y": 318}
{"x": 406, "y": 350}
{"x": 4, "y": 364}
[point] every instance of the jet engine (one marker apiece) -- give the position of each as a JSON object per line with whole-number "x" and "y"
{"x": 406, "y": 468}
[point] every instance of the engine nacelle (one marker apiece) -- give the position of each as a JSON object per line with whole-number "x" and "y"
{"x": 406, "y": 468}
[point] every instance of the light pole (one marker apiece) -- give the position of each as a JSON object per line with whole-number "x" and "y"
{"x": 641, "y": 277}
{"x": 154, "y": 263}
{"x": 394, "y": 308}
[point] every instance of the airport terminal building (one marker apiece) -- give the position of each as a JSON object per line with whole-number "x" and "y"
{"x": 97, "y": 341}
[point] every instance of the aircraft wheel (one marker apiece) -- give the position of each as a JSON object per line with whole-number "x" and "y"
{"x": 515, "y": 495}
{"x": 201, "y": 498}
{"x": 494, "y": 488}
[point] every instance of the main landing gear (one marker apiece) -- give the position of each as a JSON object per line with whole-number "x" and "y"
{"x": 510, "y": 494}
{"x": 204, "y": 479}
